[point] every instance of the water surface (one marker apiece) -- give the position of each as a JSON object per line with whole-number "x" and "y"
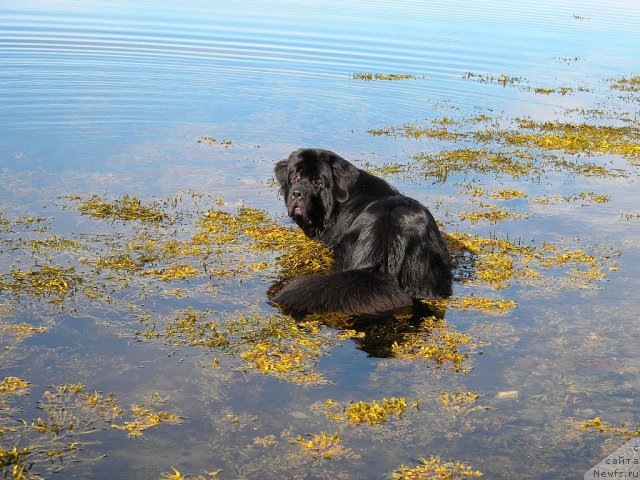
{"x": 114, "y": 98}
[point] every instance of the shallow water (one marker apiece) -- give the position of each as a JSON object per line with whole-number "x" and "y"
{"x": 115, "y": 98}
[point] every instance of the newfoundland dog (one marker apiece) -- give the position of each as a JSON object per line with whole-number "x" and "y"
{"x": 387, "y": 247}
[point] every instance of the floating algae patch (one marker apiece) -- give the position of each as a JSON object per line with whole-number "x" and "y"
{"x": 143, "y": 418}
{"x": 502, "y": 79}
{"x": 4, "y": 222}
{"x": 437, "y": 130}
{"x": 507, "y": 194}
{"x": 325, "y": 445}
{"x": 49, "y": 281}
{"x": 458, "y": 401}
{"x": 274, "y": 344}
{"x": 499, "y": 262}
{"x": 627, "y": 84}
{"x": 14, "y": 386}
{"x": 584, "y": 198}
{"x": 445, "y": 164}
{"x": 55, "y": 244}
{"x": 435, "y": 468}
{"x": 373, "y": 413}
{"x": 437, "y": 341}
{"x": 173, "y": 272}
{"x": 382, "y": 76}
{"x": 630, "y": 216}
{"x": 254, "y": 228}
{"x": 581, "y": 138}
{"x": 492, "y": 214}
{"x": 489, "y": 306}
{"x": 195, "y": 248}
{"x": 288, "y": 362}
{"x": 174, "y": 475}
{"x": 124, "y": 208}
{"x": 118, "y": 262}
{"x": 625, "y": 430}
{"x": 561, "y": 90}
{"x": 218, "y": 244}
{"x": 511, "y": 147}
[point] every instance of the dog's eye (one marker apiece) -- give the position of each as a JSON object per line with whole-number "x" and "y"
{"x": 317, "y": 182}
{"x": 296, "y": 176}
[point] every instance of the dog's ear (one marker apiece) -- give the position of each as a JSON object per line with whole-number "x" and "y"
{"x": 345, "y": 176}
{"x": 281, "y": 172}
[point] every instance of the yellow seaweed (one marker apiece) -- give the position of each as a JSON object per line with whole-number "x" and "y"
{"x": 46, "y": 281}
{"x": 435, "y": 469}
{"x": 439, "y": 342}
{"x": 598, "y": 425}
{"x": 376, "y": 411}
{"x": 125, "y": 208}
{"x": 145, "y": 418}
{"x": 382, "y": 76}
{"x": 323, "y": 445}
{"x": 13, "y": 386}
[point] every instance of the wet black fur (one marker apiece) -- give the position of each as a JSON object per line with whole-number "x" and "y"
{"x": 388, "y": 249}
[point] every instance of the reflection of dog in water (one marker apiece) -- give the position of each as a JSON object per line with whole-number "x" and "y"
{"x": 387, "y": 247}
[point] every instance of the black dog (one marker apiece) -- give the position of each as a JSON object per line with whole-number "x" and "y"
{"x": 387, "y": 247}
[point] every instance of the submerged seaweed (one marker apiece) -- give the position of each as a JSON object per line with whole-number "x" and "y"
{"x": 68, "y": 415}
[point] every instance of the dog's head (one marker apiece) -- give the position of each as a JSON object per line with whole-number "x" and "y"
{"x": 314, "y": 182}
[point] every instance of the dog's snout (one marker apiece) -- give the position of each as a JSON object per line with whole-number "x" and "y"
{"x": 297, "y": 194}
